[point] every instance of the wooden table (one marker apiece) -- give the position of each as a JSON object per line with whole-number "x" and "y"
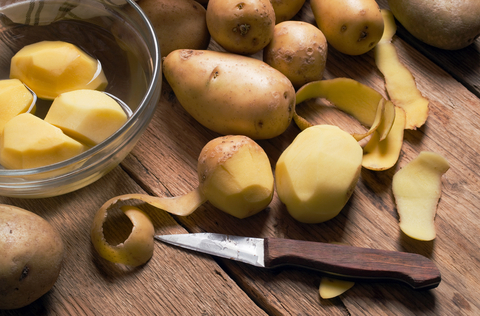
{"x": 180, "y": 282}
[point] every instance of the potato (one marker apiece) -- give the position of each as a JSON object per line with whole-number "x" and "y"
{"x": 241, "y": 27}
{"x": 30, "y": 142}
{"x": 231, "y": 94}
{"x": 317, "y": 173}
{"x": 286, "y": 9}
{"x": 50, "y": 68}
{"x": 235, "y": 175}
{"x": 352, "y": 27}
{"x": 445, "y": 24}
{"x": 14, "y": 99}
{"x": 177, "y": 23}
{"x": 88, "y": 116}
{"x": 298, "y": 50}
{"x": 32, "y": 254}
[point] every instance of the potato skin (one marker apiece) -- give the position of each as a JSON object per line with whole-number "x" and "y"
{"x": 241, "y": 27}
{"x": 286, "y": 9}
{"x": 352, "y": 27}
{"x": 177, "y": 23}
{"x": 231, "y": 94}
{"x": 298, "y": 50}
{"x": 32, "y": 253}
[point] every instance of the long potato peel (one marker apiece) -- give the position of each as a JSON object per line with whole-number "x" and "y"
{"x": 352, "y": 97}
{"x": 381, "y": 155}
{"x": 399, "y": 81}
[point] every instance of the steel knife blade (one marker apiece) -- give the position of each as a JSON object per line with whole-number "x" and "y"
{"x": 342, "y": 261}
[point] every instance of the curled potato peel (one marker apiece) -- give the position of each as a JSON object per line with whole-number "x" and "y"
{"x": 137, "y": 249}
{"x": 356, "y": 99}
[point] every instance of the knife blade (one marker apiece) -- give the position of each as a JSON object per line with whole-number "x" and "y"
{"x": 342, "y": 261}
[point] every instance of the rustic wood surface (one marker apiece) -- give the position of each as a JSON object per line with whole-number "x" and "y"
{"x": 181, "y": 282}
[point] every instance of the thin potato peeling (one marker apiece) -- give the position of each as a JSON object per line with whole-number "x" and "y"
{"x": 399, "y": 81}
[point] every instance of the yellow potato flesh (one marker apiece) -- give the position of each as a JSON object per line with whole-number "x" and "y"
{"x": 235, "y": 175}
{"x": 399, "y": 81}
{"x": 88, "y": 116}
{"x": 137, "y": 249}
{"x": 353, "y": 98}
{"x": 352, "y": 27}
{"x": 417, "y": 190}
{"x": 30, "y": 142}
{"x": 14, "y": 99}
{"x": 50, "y": 68}
{"x": 316, "y": 175}
{"x": 383, "y": 154}
{"x": 330, "y": 288}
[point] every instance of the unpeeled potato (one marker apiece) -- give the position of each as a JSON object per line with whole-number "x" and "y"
{"x": 177, "y": 23}
{"x": 241, "y": 27}
{"x": 352, "y": 27}
{"x": 230, "y": 93}
{"x": 286, "y": 9}
{"x": 31, "y": 257}
{"x": 298, "y": 50}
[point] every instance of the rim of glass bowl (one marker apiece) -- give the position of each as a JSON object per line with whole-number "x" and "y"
{"x": 152, "y": 95}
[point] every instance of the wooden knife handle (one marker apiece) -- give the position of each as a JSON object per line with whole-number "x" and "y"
{"x": 353, "y": 262}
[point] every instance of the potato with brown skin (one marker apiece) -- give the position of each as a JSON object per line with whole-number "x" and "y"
{"x": 231, "y": 94}
{"x": 177, "y": 23}
{"x": 298, "y": 50}
{"x": 241, "y": 27}
{"x": 235, "y": 175}
{"x": 286, "y": 9}
{"x": 352, "y": 27}
{"x": 31, "y": 257}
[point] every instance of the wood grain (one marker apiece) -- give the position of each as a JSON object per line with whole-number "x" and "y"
{"x": 179, "y": 282}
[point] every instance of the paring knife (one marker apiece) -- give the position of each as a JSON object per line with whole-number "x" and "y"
{"x": 342, "y": 261}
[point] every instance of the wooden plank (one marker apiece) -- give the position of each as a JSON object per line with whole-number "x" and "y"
{"x": 171, "y": 283}
{"x": 368, "y": 220}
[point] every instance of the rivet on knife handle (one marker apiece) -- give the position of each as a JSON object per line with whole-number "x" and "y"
{"x": 352, "y": 262}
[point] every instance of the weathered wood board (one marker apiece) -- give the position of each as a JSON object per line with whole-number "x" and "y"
{"x": 179, "y": 282}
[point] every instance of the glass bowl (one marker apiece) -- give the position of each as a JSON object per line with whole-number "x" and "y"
{"x": 119, "y": 35}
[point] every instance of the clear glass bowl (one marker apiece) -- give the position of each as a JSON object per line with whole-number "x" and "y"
{"x": 118, "y": 34}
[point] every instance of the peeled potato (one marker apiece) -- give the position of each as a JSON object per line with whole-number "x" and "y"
{"x": 31, "y": 257}
{"x": 417, "y": 188}
{"x": 316, "y": 175}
